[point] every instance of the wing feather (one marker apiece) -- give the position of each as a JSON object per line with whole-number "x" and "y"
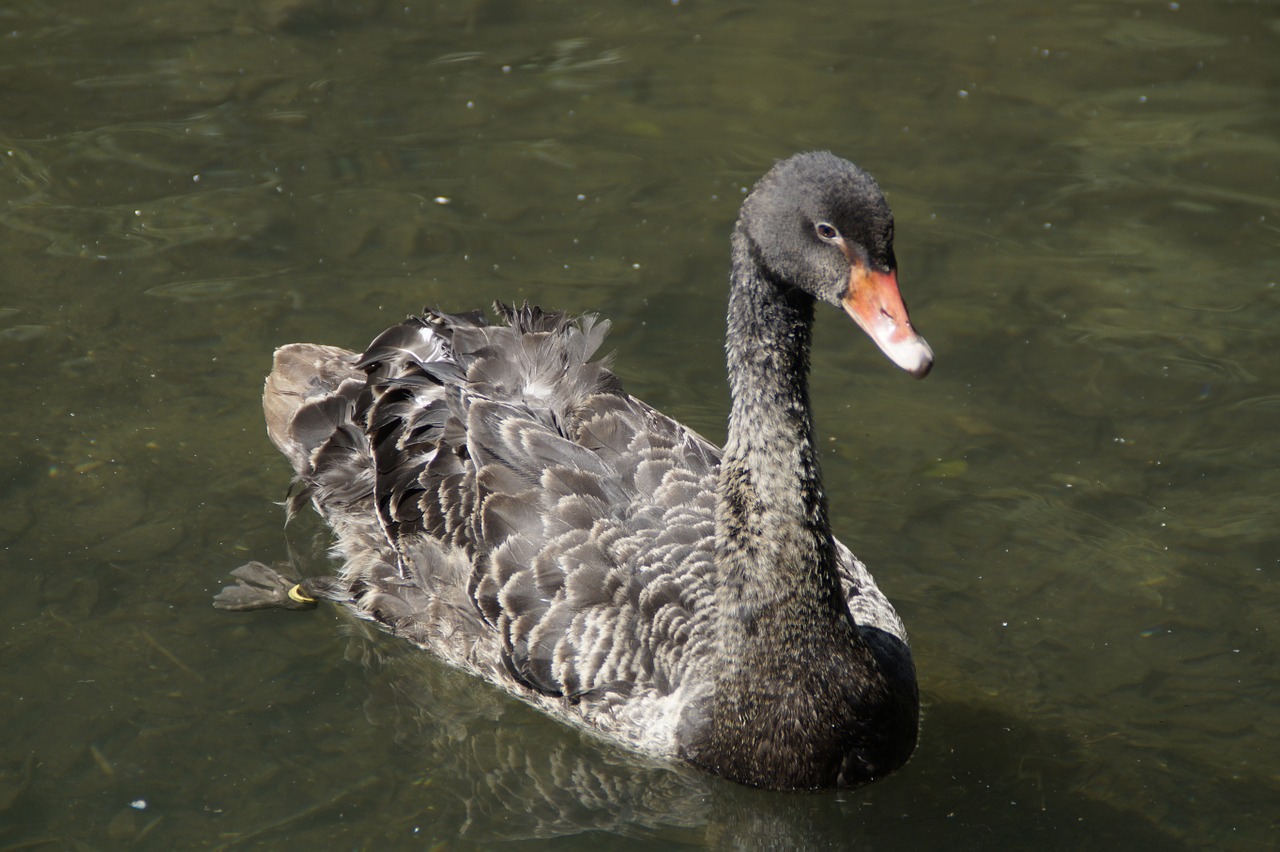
{"x": 538, "y": 525}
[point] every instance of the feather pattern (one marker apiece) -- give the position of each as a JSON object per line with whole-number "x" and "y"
{"x": 500, "y": 501}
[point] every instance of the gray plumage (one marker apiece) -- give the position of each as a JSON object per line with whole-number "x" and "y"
{"x": 500, "y": 501}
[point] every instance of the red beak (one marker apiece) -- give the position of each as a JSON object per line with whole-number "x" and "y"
{"x": 876, "y": 306}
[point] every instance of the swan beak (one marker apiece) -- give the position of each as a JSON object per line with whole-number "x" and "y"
{"x": 874, "y": 303}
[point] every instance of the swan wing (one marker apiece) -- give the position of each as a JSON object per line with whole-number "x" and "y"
{"x": 537, "y": 524}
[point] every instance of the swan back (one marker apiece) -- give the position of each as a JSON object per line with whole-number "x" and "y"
{"x": 534, "y": 523}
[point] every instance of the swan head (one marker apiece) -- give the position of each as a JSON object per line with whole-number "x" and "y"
{"x": 821, "y": 224}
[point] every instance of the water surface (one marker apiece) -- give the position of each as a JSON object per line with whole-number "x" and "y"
{"x": 1075, "y": 513}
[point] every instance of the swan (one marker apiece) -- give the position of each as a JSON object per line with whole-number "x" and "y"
{"x": 499, "y": 500}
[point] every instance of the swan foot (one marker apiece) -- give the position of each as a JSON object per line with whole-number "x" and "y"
{"x": 260, "y": 587}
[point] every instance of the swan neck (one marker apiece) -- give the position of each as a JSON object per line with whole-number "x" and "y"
{"x": 776, "y": 555}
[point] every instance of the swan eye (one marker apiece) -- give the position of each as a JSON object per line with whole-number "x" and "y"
{"x": 827, "y": 231}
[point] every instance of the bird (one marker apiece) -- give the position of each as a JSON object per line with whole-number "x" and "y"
{"x": 498, "y": 499}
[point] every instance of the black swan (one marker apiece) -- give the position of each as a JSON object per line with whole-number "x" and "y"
{"x": 500, "y": 501}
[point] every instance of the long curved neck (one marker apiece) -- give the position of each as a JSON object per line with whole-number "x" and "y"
{"x": 773, "y": 537}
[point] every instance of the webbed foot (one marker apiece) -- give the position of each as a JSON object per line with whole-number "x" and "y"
{"x": 261, "y": 587}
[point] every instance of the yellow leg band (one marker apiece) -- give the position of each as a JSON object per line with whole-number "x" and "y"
{"x": 300, "y": 596}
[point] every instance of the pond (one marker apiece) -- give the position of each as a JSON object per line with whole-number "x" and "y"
{"x": 1075, "y": 514}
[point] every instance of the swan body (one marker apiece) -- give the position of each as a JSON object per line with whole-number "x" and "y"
{"x": 498, "y": 499}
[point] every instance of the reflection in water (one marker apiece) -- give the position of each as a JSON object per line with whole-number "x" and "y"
{"x": 514, "y": 777}
{"x": 499, "y": 771}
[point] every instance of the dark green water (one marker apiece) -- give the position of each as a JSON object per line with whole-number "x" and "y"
{"x": 1076, "y": 513}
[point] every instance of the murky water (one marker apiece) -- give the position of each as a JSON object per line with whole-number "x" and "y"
{"x": 1075, "y": 513}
